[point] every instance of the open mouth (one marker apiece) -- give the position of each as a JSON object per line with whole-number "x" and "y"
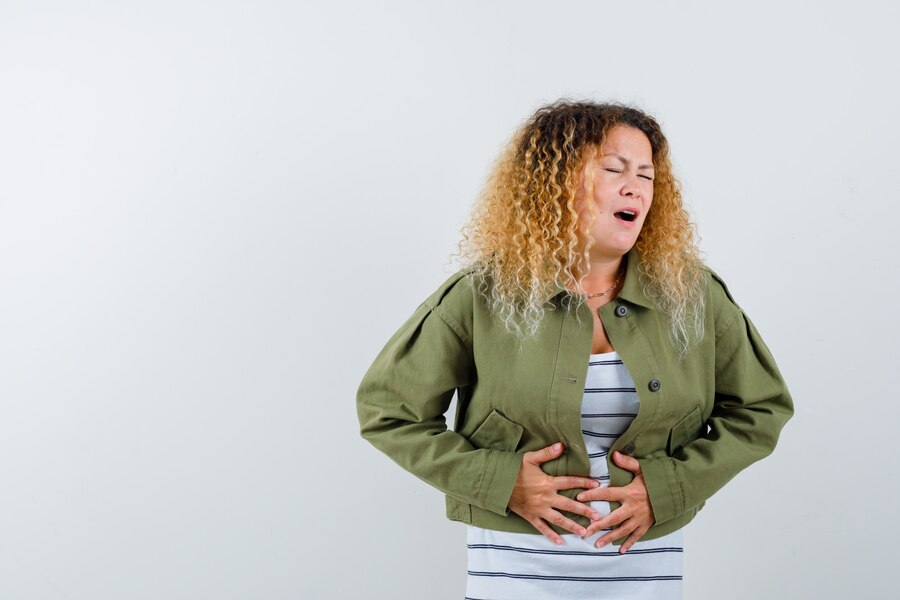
{"x": 625, "y": 215}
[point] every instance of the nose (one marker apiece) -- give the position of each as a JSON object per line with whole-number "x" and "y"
{"x": 631, "y": 189}
{"x": 633, "y": 185}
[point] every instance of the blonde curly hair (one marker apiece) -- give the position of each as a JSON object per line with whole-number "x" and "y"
{"x": 526, "y": 233}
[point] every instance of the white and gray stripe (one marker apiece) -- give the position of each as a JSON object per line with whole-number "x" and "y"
{"x": 507, "y": 566}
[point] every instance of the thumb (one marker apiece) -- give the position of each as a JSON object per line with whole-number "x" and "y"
{"x": 547, "y": 453}
{"x": 627, "y": 462}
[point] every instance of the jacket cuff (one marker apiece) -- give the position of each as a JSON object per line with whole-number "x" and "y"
{"x": 663, "y": 488}
{"x": 499, "y": 480}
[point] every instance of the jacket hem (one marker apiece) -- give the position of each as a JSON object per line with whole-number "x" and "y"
{"x": 457, "y": 510}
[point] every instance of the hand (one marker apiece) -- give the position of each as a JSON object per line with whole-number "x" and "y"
{"x": 635, "y": 516}
{"x": 534, "y": 496}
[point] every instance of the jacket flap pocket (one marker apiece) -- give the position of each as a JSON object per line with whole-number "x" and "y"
{"x": 686, "y": 430}
{"x": 497, "y": 432}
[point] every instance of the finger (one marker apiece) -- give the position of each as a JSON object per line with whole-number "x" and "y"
{"x": 546, "y": 530}
{"x": 544, "y": 454}
{"x": 579, "y": 508}
{"x": 560, "y": 520}
{"x": 598, "y": 493}
{"x": 619, "y": 532}
{"x": 614, "y": 518}
{"x": 567, "y": 482}
{"x": 635, "y": 536}
{"x": 603, "y": 493}
{"x": 627, "y": 462}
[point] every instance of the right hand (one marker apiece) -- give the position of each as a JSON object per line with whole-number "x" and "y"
{"x": 535, "y": 498}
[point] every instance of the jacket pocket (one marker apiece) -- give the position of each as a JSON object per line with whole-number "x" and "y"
{"x": 686, "y": 430}
{"x": 497, "y": 432}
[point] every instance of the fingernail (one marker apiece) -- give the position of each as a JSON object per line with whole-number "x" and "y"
{"x": 579, "y": 497}
{"x": 556, "y": 447}
{"x": 601, "y": 544}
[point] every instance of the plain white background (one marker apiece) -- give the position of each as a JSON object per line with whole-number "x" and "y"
{"x": 203, "y": 204}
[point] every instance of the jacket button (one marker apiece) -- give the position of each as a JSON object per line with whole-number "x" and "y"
{"x": 621, "y": 311}
{"x": 628, "y": 449}
{"x": 654, "y": 385}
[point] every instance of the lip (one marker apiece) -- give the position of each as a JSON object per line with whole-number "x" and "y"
{"x": 629, "y": 224}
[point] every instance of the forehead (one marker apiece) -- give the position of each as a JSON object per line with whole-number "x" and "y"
{"x": 625, "y": 144}
{"x": 625, "y": 137}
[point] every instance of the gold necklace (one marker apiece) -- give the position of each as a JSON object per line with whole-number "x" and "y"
{"x": 595, "y": 294}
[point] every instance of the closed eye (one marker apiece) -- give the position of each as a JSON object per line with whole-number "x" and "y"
{"x": 644, "y": 176}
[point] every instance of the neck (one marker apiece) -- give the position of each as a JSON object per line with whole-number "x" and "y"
{"x": 602, "y": 274}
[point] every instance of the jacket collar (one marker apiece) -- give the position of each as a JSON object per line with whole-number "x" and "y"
{"x": 632, "y": 291}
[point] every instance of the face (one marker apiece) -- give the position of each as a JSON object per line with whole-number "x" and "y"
{"x": 622, "y": 180}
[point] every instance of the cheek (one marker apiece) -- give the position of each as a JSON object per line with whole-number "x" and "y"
{"x": 601, "y": 204}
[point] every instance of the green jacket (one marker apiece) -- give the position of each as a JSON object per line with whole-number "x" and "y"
{"x": 700, "y": 421}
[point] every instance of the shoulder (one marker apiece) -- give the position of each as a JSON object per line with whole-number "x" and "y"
{"x": 720, "y": 301}
{"x": 454, "y": 289}
{"x": 454, "y": 300}
{"x": 717, "y": 283}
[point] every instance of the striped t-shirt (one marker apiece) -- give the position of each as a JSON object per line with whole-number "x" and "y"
{"x": 524, "y": 566}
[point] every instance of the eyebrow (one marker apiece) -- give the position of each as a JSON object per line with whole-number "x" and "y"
{"x": 626, "y": 161}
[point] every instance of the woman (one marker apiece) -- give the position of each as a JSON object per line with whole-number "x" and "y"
{"x": 608, "y": 383}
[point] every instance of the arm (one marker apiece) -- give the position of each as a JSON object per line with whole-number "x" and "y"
{"x": 402, "y": 399}
{"x": 751, "y": 406}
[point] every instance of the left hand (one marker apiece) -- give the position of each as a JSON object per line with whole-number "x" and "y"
{"x": 634, "y": 516}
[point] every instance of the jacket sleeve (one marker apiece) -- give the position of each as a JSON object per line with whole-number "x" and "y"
{"x": 403, "y": 396}
{"x": 751, "y": 406}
